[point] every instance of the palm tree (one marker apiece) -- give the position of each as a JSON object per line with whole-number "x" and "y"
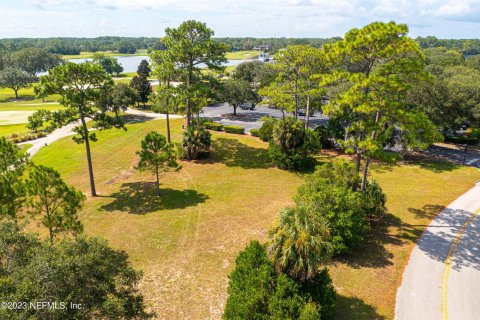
{"x": 300, "y": 243}
{"x": 195, "y": 139}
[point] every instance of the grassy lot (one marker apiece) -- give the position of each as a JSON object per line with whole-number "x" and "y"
{"x": 86, "y": 54}
{"x": 240, "y": 55}
{"x": 8, "y": 130}
{"x": 187, "y": 240}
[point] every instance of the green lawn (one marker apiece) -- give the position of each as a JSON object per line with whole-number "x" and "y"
{"x": 186, "y": 241}
{"x": 86, "y": 54}
{"x": 8, "y": 130}
{"x": 240, "y": 55}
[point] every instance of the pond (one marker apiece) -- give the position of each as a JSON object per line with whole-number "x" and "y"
{"x": 130, "y": 63}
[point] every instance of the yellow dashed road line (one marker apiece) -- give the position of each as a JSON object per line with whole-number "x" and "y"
{"x": 448, "y": 265}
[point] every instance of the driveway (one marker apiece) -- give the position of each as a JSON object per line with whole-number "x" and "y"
{"x": 442, "y": 279}
{"x": 250, "y": 119}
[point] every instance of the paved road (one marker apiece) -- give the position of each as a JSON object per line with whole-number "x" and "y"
{"x": 442, "y": 279}
{"x": 472, "y": 158}
{"x": 250, "y": 119}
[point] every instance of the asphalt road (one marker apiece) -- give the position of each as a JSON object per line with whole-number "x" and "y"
{"x": 442, "y": 279}
{"x": 471, "y": 158}
{"x": 250, "y": 119}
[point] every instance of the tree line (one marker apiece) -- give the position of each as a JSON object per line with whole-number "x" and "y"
{"x": 70, "y": 46}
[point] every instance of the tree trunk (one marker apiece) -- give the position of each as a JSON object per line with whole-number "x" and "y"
{"x": 167, "y": 114}
{"x": 365, "y": 172}
{"x": 16, "y": 93}
{"x": 168, "y": 127}
{"x": 367, "y": 160}
{"x": 358, "y": 161}
{"x": 158, "y": 182}
{"x": 307, "y": 116}
{"x": 189, "y": 81}
{"x": 89, "y": 156}
{"x": 234, "y": 110}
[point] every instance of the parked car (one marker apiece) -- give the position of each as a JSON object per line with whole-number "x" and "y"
{"x": 303, "y": 112}
{"x": 247, "y": 106}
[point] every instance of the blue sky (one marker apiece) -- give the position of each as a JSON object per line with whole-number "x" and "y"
{"x": 235, "y": 18}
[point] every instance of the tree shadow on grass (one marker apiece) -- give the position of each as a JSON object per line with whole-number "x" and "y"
{"x": 141, "y": 198}
{"x": 354, "y": 308}
{"x": 428, "y": 211}
{"x": 436, "y": 162}
{"x": 233, "y": 153}
{"x": 372, "y": 253}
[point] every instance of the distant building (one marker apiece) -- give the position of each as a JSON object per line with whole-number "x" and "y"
{"x": 262, "y": 47}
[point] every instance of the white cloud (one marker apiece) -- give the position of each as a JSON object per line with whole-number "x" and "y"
{"x": 296, "y": 18}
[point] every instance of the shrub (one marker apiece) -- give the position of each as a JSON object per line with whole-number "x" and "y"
{"x": 325, "y": 137}
{"x": 250, "y": 284}
{"x": 286, "y": 300}
{"x": 234, "y": 129}
{"x": 213, "y": 126}
{"x": 71, "y": 270}
{"x": 196, "y": 140}
{"x": 461, "y": 140}
{"x": 312, "y": 141}
{"x": 288, "y": 146}
{"x": 322, "y": 292}
{"x": 255, "y": 291}
{"x": 472, "y": 133}
{"x": 374, "y": 200}
{"x": 266, "y": 130}
{"x": 255, "y": 133}
{"x": 332, "y": 192}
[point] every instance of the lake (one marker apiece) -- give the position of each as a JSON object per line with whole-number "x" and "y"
{"x": 130, "y": 63}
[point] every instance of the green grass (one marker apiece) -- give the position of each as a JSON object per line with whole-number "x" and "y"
{"x": 186, "y": 241}
{"x": 240, "y": 55}
{"x": 24, "y": 147}
{"x": 86, "y": 54}
{"x": 8, "y": 130}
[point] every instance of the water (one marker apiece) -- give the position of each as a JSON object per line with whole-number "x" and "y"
{"x": 130, "y": 63}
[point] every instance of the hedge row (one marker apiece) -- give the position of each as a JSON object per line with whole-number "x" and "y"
{"x": 255, "y": 133}
{"x": 219, "y": 127}
{"x": 234, "y": 129}
{"x": 15, "y": 138}
{"x": 461, "y": 140}
{"x": 213, "y": 126}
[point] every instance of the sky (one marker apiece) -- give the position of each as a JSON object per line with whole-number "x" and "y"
{"x": 235, "y": 18}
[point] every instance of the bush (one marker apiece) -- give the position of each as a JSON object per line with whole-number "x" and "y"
{"x": 472, "y": 133}
{"x": 213, "y": 126}
{"x": 196, "y": 140}
{"x": 312, "y": 141}
{"x": 286, "y": 160}
{"x": 461, "y": 140}
{"x": 256, "y": 291}
{"x": 325, "y": 137}
{"x": 332, "y": 192}
{"x": 15, "y": 138}
{"x": 234, "y": 129}
{"x": 255, "y": 133}
{"x": 250, "y": 284}
{"x": 323, "y": 294}
{"x": 71, "y": 270}
{"x": 266, "y": 130}
{"x": 288, "y": 147}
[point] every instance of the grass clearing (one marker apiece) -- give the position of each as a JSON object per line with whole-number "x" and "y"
{"x": 186, "y": 241}
{"x": 87, "y": 54}
{"x": 8, "y": 130}
{"x": 240, "y": 55}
